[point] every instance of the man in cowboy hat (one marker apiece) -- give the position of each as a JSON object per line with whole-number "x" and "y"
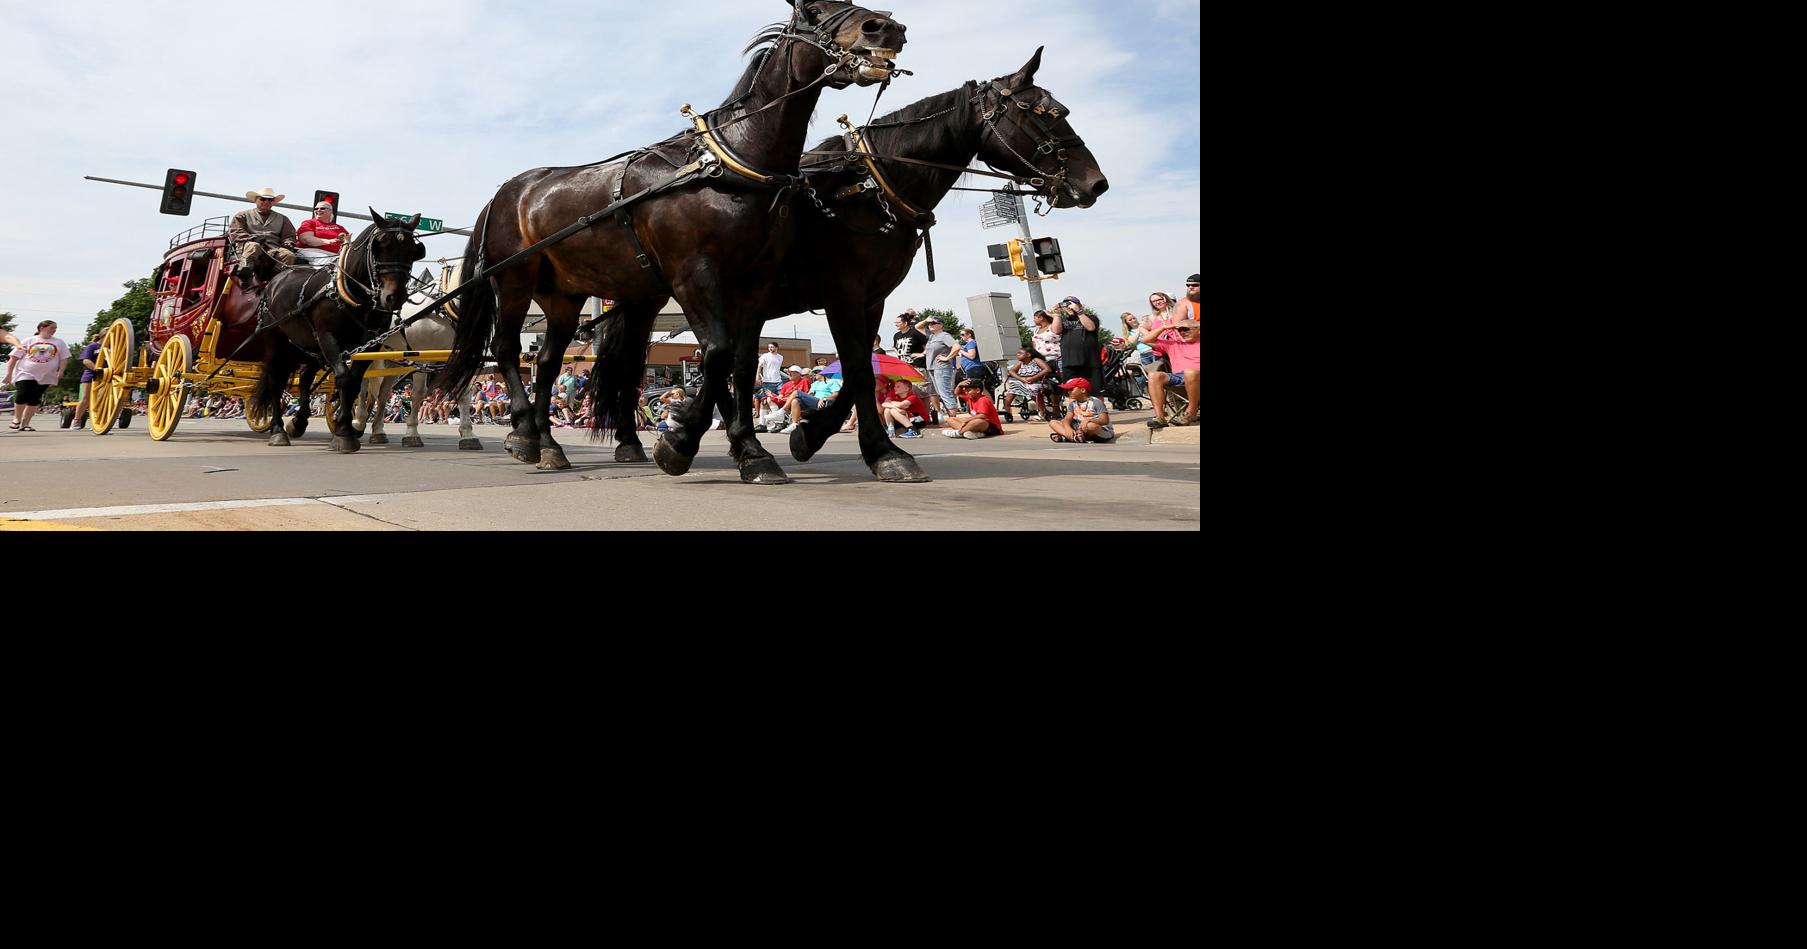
{"x": 262, "y": 230}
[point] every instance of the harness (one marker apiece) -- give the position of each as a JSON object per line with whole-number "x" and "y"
{"x": 713, "y": 160}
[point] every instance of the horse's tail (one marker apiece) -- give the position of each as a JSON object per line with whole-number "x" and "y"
{"x": 476, "y": 318}
{"x": 620, "y": 363}
{"x": 267, "y": 398}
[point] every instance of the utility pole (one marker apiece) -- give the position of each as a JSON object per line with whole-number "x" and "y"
{"x": 1030, "y": 273}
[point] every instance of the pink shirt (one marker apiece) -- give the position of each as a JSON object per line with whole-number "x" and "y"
{"x": 1180, "y": 354}
{"x": 40, "y": 359}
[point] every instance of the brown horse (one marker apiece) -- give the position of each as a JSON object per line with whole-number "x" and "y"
{"x": 308, "y": 319}
{"x": 848, "y": 264}
{"x": 715, "y": 243}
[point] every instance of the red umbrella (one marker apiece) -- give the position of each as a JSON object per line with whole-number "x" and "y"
{"x": 884, "y": 367}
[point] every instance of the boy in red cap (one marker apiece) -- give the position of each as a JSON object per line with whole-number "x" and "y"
{"x": 1088, "y": 419}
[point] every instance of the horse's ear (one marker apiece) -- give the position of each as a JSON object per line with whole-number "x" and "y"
{"x": 1026, "y": 75}
{"x": 376, "y": 215}
{"x": 413, "y": 223}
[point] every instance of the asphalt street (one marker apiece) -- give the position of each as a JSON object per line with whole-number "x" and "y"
{"x": 218, "y": 475}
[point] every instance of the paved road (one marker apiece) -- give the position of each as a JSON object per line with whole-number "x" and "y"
{"x": 220, "y": 476}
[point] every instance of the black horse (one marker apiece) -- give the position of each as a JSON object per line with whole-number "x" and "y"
{"x": 849, "y": 264}
{"x": 713, "y": 232}
{"x": 308, "y": 319}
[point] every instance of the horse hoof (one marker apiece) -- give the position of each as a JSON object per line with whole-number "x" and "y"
{"x": 553, "y": 459}
{"x": 413, "y": 441}
{"x": 900, "y": 469}
{"x": 379, "y": 439}
{"x": 293, "y": 430}
{"x": 524, "y": 451}
{"x": 801, "y": 449}
{"x": 344, "y": 445}
{"x": 279, "y": 440}
{"x": 669, "y": 459}
{"x": 763, "y": 471}
{"x": 470, "y": 444}
{"x": 630, "y": 455}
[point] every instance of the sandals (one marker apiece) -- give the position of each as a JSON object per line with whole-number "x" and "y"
{"x": 26, "y": 428}
{"x": 1056, "y": 437}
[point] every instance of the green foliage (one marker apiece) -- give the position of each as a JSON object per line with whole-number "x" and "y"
{"x": 136, "y": 306}
{"x": 6, "y": 323}
{"x": 954, "y": 326}
{"x": 1023, "y": 330}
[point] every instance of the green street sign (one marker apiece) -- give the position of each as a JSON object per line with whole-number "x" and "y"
{"x": 428, "y": 225}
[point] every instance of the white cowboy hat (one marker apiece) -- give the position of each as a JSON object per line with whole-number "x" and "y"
{"x": 265, "y": 193}
{"x": 796, "y": 369}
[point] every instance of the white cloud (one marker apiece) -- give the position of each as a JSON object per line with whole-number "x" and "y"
{"x": 428, "y": 106}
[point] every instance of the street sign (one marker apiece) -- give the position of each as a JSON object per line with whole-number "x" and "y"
{"x": 428, "y": 225}
{"x": 999, "y": 211}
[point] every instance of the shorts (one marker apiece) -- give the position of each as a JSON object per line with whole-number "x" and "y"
{"x": 976, "y": 373}
{"x": 29, "y": 392}
{"x": 770, "y": 388}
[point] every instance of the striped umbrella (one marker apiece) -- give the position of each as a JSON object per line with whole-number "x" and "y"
{"x": 884, "y": 367}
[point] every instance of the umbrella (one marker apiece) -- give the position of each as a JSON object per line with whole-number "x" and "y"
{"x": 885, "y": 367}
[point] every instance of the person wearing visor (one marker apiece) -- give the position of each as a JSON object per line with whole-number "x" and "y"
{"x": 320, "y": 237}
{"x": 1175, "y": 334}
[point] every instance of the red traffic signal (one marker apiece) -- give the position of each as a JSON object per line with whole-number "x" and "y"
{"x": 178, "y": 192}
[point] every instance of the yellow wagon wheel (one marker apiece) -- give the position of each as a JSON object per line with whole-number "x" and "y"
{"x": 169, "y": 395}
{"x": 260, "y": 424}
{"x": 112, "y": 380}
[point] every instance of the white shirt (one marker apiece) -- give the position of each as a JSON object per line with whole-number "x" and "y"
{"x": 771, "y": 367}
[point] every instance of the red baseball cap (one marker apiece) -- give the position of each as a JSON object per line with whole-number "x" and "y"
{"x": 1078, "y": 384}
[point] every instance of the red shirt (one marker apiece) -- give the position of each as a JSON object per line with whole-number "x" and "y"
{"x": 916, "y": 410}
{"x": 982, "y": 407}
{"x": 332, "y": 233}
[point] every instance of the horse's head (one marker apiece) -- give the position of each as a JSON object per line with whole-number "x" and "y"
{"x": 390, "y": 252}
{"x": 867, "y": 41}
{"x": 1029, "y": 134}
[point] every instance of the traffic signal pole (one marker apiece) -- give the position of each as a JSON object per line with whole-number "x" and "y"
{"x": 1030, "y": 273}
{"x": 241, "y": 200}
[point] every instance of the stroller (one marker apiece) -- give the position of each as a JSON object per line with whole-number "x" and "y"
{"x": 1124, "y": 385}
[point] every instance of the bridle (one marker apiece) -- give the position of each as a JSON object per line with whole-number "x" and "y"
{"x": 374, "y": 270}
{"x": 1045, "y": 115}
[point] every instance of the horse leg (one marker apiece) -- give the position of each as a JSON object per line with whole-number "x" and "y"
{"x": 347, "y": 380}
{"x": 297, "y": 426}
{"x": 379, "y": 391}
{"x": 523, "y": 443}
{"x": 622, "y": 364}
{"x": 703, "y": 304}
{"x": 757, "y": 466}
{"x": 562, "y": 314}
{"x": 412, "y": 439}
{"x": 467, "y": 439}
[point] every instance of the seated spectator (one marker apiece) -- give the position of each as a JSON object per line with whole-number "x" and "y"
{"x": 1027, "y": 379}
{"x": 1175, "y": 335}
{"x": 981, "y": 422}
{"x": 903, "y": 408}
{"x": 1088, "y": 419}
{"x": 672, "y": 403}
{"x": 775, "y": 413}
{"x": 822, "y": 390}
{"x": 644, "y": 416}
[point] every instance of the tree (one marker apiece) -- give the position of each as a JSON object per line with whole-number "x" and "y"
{"x": 6, "y": 323}
{"x": 136, "y": 306}
{"x": 1024, "y": 333}
{"x": 954, "y": 326}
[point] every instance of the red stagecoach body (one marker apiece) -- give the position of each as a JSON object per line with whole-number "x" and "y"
{"x": 194, "y": 290}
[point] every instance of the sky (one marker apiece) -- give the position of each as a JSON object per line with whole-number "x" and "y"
{"x": 429, "y": 107}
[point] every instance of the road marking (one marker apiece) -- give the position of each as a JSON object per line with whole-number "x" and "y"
{"x": 141, "y": 509}
{"x": 9, "y": 526}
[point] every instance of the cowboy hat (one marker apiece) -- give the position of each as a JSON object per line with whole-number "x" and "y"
{"x": 265, "y": 193}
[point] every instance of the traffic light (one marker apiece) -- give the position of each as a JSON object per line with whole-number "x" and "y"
{"x": 178, "y": 191}
{"x": 330, "y": 197}
{"x": 1007, "y": 259}
{"x": 1047, "y": 257}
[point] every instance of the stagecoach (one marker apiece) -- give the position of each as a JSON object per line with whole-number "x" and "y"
{"x": 201, "y": 318}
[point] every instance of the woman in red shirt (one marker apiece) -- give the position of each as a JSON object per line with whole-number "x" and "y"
{"x": 318, "y": 239}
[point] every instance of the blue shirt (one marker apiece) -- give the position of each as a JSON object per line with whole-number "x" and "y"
{"x": 969, "y": 355}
